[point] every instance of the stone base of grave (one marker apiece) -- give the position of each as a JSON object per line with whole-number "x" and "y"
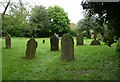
{"x": 79, "y": 44}
{"x": 67, "y": 59}
{"x": 27, "y": 57}
{"x": 54, "y": 49}
{"x": 8, "y": 47}
{"x": 95, "y": 42}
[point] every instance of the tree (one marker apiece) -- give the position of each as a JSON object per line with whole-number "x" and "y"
{"x": 108, "y": 13}
{"x": 59, "y": 22}
{"x": 15, "y": 21}
{"x": 39, "y": 21}
{"x": 6, "y": 7}
{"x": 87, "y": 24}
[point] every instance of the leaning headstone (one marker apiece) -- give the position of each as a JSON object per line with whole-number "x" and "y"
{"x": 31, "y": 48}
{"x": 54, "y": 42}
{"x": 79, "y": 39}
{"x": 95, "y": 42}
{"x": 67, "y": 47}
{"x": 8, "y": 41}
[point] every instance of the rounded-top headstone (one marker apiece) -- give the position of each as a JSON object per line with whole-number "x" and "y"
{"x": 54, "y": 42}
{"x": 31, "y": 48}
{"x": 8, "y": 41}
{"x": 95, "y": 42}
{"x": 67, "y": 47}
{"x": 79, "y": 39}
{"x": 43, "y": 41}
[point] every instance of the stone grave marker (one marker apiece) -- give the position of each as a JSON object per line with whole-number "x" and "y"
{"x": 8, "y": 41}
{"x": 43, "y": 41}
{"x": 67, "y": 47}
{"x": 79, "y": 39}
{"x": 31, "y": 48}
{"x": 54, "y": 42}
{"x": 95, "y": 42}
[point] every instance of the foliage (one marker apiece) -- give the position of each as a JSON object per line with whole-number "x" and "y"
{"x": 118, "y": 46}
{"x": 59, "y": 22}
{"x": 87, "y": 24}
{"x": 15, "y": 22}
{"x": 39, "y": 21}
{"x": 108, "y": 13}
{"x": 91, "y": 62}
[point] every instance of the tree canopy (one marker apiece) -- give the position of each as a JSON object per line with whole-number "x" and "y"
{"x": 15, "y": 21}
{"x": 39, "y": 21}
{"x": 108, "y": 13}
{"x": 59, "y": 21}
{"x": 87, "y": 24}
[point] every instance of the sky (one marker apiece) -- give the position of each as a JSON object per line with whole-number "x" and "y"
{"x": 72, "y": 7}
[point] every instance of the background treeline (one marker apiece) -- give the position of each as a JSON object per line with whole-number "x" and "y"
{"x": 37, "y": 22}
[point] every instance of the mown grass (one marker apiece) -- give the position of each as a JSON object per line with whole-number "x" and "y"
{"x": 91, "y": 62}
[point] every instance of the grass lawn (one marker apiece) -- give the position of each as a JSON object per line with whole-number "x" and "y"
{"x": 91, "y": 62}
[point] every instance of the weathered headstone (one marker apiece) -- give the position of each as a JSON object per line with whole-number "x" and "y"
{"x": 95, "y": 42}
{"x": 43, "y": 41}
{"x": 31, "y": 48}
{"x": 8, "y": 41}
{"x": 67, "y": 47}
{"x": 79, "y": 39}
{"x": 54, "y": 42}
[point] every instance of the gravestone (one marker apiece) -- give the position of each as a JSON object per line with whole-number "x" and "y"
{"x": 67, "y": 47}
{"x": 79, "y": 39}
{"x": 31, "y": 48}
{"x": 54, "y": 42}
{"x": 8, "y": 41}
{"x": 43, "y": 41}
{"x": 95, "y": 42}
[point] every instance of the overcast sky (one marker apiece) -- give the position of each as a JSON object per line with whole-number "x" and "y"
{"x": 72, "y": 7}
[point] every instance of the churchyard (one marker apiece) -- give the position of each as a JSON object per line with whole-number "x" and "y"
{"x": 40, "y": 42}
{"x": 91, "y": 62}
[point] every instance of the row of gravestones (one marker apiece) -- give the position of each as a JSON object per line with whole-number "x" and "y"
{"x": 67, "y": 45}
